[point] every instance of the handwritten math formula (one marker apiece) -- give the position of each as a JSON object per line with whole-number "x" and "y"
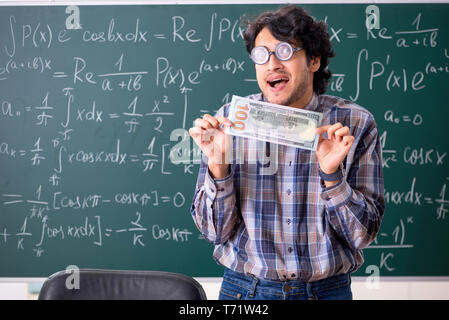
{"x": 93, "y": 117}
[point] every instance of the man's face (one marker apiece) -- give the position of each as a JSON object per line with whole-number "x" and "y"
{"x": 288, "y": 83}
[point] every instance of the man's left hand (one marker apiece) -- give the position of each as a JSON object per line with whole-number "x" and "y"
{"x": 331, "y": 151}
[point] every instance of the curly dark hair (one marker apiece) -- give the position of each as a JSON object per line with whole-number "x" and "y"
{"x": 294, "y": 23}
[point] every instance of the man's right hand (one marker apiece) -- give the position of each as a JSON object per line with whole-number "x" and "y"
{"x": 208, "y": 133}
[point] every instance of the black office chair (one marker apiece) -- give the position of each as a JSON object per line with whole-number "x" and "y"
{"x": 95, "y": 284}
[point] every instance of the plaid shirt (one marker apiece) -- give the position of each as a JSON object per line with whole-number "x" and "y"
{"x": 286, "y": 224}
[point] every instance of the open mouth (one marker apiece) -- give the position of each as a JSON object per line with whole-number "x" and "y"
{"x": 277, "y": 82}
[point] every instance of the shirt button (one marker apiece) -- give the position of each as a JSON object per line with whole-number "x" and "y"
{"x": 293, "y": 275}
{"x": 289, "y": 221}
{"x": 289, "y": 191}
{"x": 290, "y": 249}
{"x": 290, "y": 164}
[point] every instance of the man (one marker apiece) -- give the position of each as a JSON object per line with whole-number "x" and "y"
{"x": 296, "y": 233}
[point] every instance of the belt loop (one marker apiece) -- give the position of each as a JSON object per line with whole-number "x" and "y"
{"x": 310, "y": 294}
{"x": 252, "y": 291}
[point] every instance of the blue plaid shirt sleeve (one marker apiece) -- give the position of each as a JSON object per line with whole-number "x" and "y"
{"x": 355, "y": 206}
{"x": 214, "y": 209}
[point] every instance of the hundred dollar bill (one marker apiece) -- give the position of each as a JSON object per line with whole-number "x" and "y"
{"x": 274, "y": 123}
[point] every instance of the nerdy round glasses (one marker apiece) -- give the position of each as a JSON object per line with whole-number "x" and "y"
{"x": 283, "y": 52}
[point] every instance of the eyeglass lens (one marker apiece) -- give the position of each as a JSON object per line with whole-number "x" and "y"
{"x": 261, "y": 55}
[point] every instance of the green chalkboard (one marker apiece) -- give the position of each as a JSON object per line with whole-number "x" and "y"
{"x": 90, "y": 116}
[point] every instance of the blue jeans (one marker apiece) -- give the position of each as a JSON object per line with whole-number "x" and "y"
{"x": 238, "y": 286}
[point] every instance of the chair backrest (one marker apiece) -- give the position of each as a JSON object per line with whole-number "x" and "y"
{"x": 95, "y": 284}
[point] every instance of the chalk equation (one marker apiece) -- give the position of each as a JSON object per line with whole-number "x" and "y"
{"x": 95, "y": 112}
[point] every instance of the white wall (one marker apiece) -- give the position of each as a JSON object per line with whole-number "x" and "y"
{"x": 80, "y": 2}
{"x": 388, "y": 289}
{"x": 14, "y": 291}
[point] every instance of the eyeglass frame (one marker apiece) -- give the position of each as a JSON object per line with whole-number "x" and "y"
{"x": 274, "y": 52}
